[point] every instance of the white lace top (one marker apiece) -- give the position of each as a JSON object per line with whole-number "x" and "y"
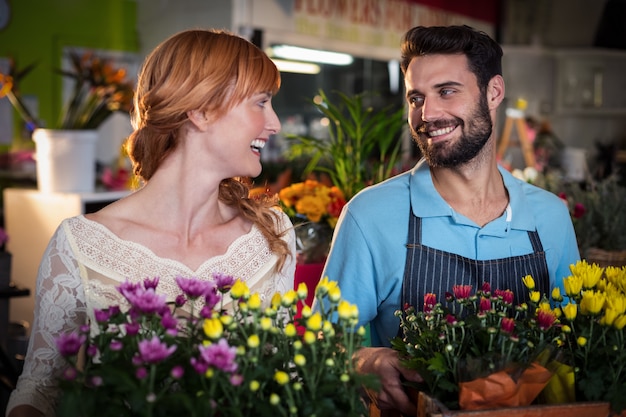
{"x": 83, "y": 264}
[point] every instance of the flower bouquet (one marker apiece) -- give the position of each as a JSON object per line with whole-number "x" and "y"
{"x": 314, "y": 209}
{"x": 153, "y": 359}
{"x": 477, "y": 350}
{"x": 593, "y": 323}
{"x": 99, "y": 90}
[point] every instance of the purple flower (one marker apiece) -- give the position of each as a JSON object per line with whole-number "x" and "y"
{"x": 102, "y": 316}
{"x": 154, "y": 351}
{"x": 212, "y": 298}
{"x": 116, "y": 345}
{"x": 223, "y": 282}
{"x": 180, "y": 300}
{"x": 132, "y": 328}
{"x": 127, "y": 287}
{"x": 151, "y": 283}
{"x": 96, "y": 381}
{"x": 220, "y": 355}
{"x": 236, "y": 380}
{"x": 198, "y": 365}
{"x": 92, "y": 350}
{"x": 141, "y": 373}
{"x": 147, "y": 301}
{"x": 168, "y": 321}
{"x": 69, "y": 343}
{"x": 70, "y": 373}
{"x": 177, "y": 372}
{"x": 193, "y": 287}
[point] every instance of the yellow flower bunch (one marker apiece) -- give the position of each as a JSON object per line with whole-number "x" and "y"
{"x": 313, "y": 201}
{"x": 593, "y": 322}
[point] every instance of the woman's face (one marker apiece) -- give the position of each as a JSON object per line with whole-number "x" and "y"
{"x": 241, "y": 133}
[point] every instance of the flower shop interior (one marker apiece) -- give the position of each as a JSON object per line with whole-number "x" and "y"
{"x": 562, "y": 126}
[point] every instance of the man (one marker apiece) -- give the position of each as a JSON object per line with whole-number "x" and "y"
{"x": 456, "y": 217}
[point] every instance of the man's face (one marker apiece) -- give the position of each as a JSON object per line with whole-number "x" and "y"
{"x": 449, "y": 117}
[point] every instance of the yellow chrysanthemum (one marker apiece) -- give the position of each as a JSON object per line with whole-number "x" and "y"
{"x": 240, "y": 290}
{"x": 556, "y": 294}
{"x": 591, "y": 276}
{"x": 334, "y": 294}
{"x": 570, "y": 311}
{"x": 616, "y": 301}
{"x": 582, "y": 341}
{"x": 281, "y": 377}
{"x": 265, "y": 323}
{"x": 535, "y": 296}
{"x": 306, "y": 311}
{"x": 302, "y": 291}
{"x": 254, "y": 385}
{"x": 290, "y": 330}
{"x": 314, "y": 323}
{"x": 253, "y": 341}
{"x": 276, "y": 300}
{"x": 529, "y": 282}
{"x": 309, "y": 337}
{"x": 592, "y": 302}
{"x": 289, "y": 298}
{"x": 254, "y": 303}
{"x": 573, "y": 285}
{"x": 344, "y": 309}
{"x": 609, "y": 317}
{"x": 620, "y": 322}
{"x": 274, "y": 399}
{"x": 213, "y": 328}
{"x": 299, "y": 359}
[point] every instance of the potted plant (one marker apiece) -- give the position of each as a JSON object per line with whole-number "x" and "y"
{"x": 364, "y": 144}
{"x": 598, "y": 209}
{"x": 65, "y": 153}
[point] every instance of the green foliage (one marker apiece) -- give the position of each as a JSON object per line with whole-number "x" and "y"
{"x": 364, "y": 146}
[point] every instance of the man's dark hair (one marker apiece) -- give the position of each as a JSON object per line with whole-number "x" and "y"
{"x": 484, "y": 55}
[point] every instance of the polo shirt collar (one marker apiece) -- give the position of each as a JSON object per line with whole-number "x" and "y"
{"x": 426, "y": 201}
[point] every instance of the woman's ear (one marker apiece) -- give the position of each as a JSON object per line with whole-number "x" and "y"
{"x": 495, "y": 92}
{"x": 198, "y": 118}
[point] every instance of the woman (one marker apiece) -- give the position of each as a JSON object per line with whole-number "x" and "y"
{"x": 202, "y": 115}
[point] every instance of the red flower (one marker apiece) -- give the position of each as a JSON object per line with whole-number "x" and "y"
{"x": 462, "y": 292}
{"x": 485, "y": 304}
{"x": 579, "y": 210}
{"x": 508, "y": 325}
{"x": 506, "y": 295}
{"x": 430, "y": 300}
{"x": 545, "y": 318}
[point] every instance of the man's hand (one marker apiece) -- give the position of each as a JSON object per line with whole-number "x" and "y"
{"x": 384, "y": 363}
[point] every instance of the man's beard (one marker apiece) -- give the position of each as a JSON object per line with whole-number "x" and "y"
{"x": 448, "y": 155}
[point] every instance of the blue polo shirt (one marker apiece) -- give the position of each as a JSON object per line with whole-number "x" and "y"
{"x": 368, "y": 252}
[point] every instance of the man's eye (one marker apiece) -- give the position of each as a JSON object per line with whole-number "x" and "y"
{"x": 447, "y": 91}
{"x": 416, "y": 101}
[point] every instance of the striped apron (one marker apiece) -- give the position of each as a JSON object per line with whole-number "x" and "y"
{"x": 429, "y": 270}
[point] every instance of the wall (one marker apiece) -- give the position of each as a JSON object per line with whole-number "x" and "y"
{"x": 39, "y": 29}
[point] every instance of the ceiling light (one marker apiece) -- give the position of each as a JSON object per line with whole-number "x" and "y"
{"x": 310, "y": 55}
{"x": 297, "y": 67}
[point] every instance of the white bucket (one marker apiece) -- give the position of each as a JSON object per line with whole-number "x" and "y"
{"x": 574, "y": 164}
{"x": 66, "y": 160}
